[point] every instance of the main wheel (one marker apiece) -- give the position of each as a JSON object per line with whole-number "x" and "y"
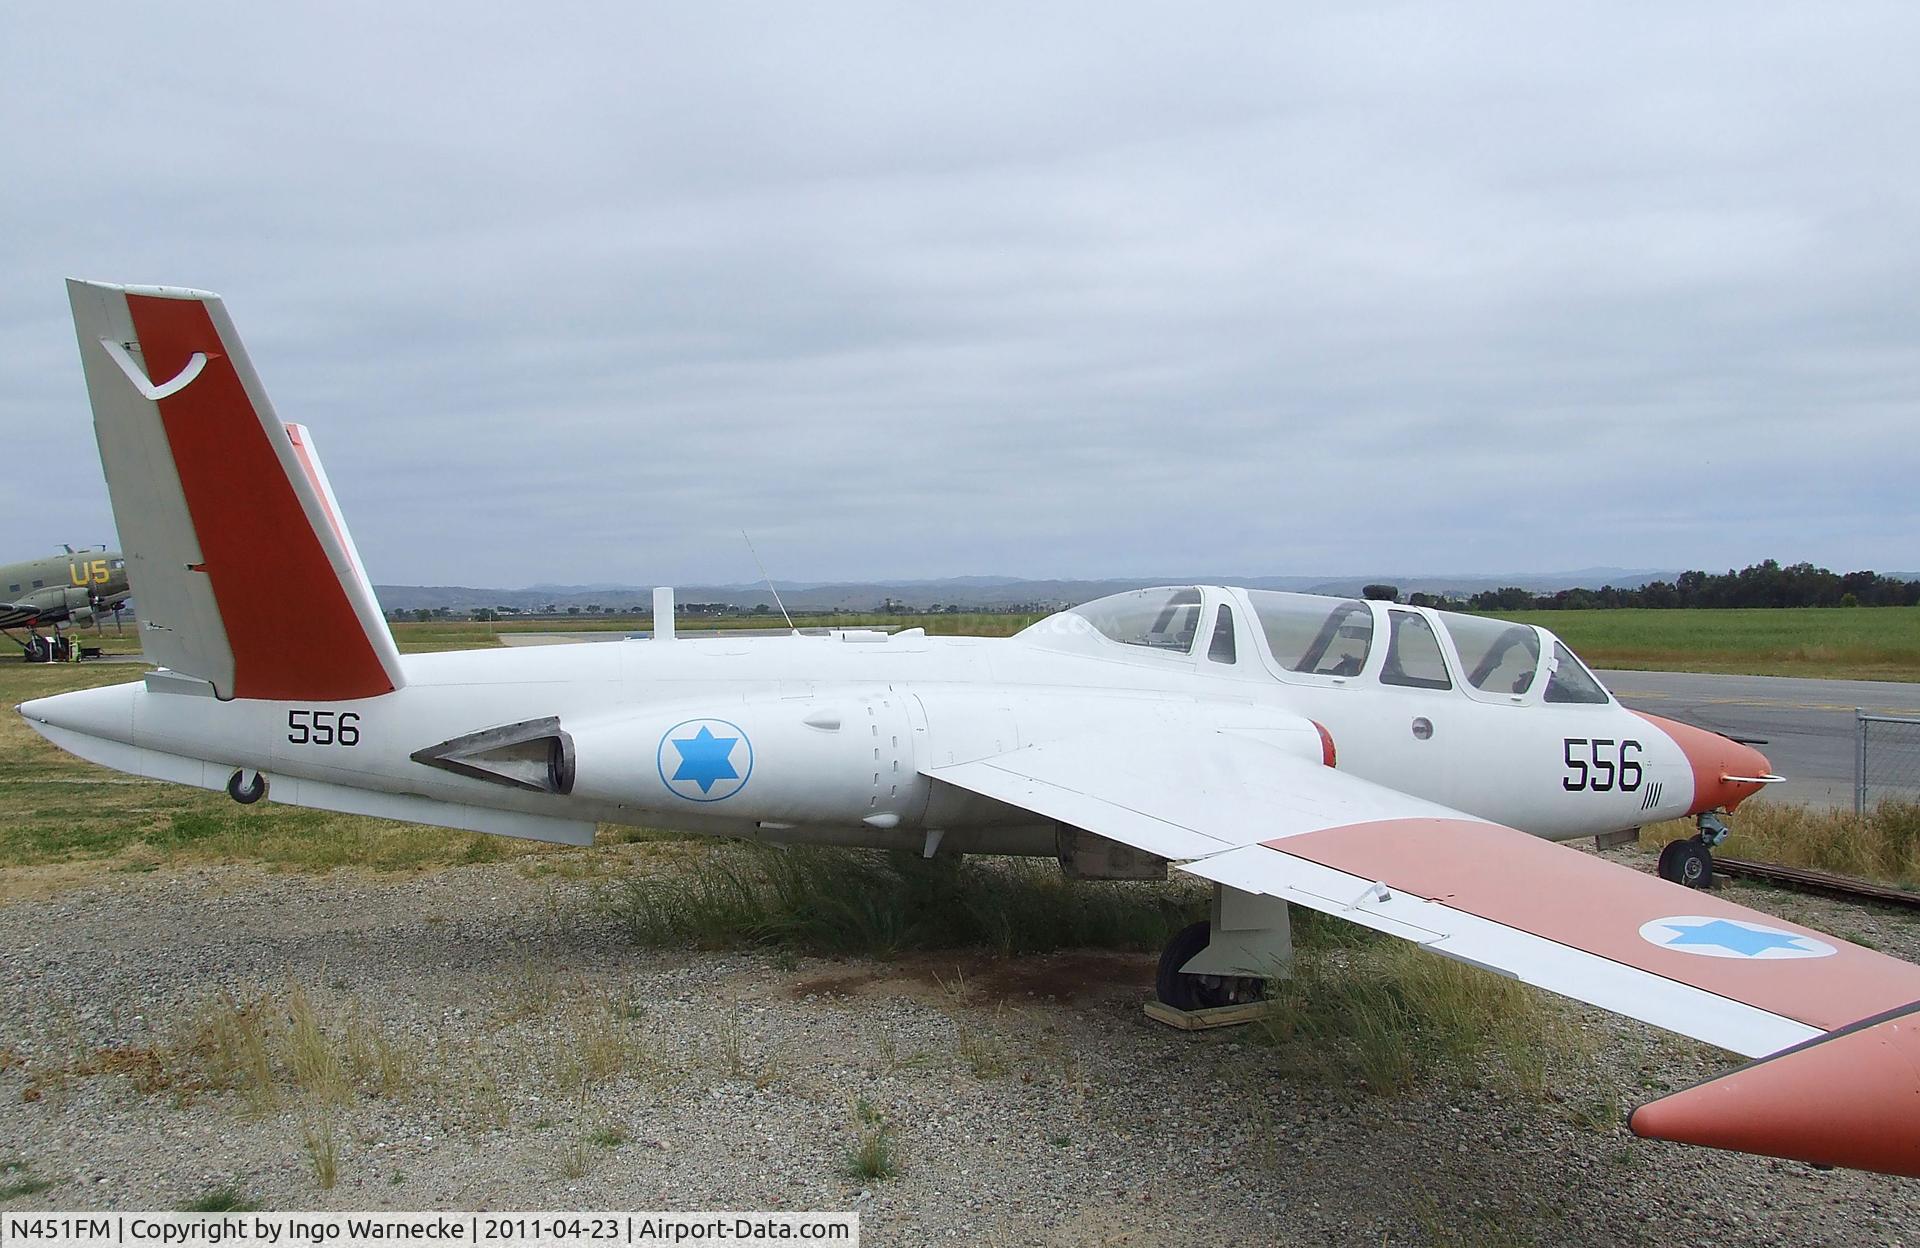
{"x": 1200, "y": 992}
{"x": 1687, "y": 862}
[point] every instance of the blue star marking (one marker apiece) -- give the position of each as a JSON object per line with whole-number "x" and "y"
{"x": 1744, "y": 941}
{"x": 705, "y": 759}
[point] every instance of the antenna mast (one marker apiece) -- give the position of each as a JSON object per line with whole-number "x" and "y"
{"x": 768, "y": 580}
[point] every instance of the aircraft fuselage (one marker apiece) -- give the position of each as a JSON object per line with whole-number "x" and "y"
{"x": 829, "y": 738}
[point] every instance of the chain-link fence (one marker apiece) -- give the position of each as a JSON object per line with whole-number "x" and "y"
{"x": 1886, "y": 759}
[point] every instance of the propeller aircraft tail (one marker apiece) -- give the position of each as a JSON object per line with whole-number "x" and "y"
{"x": 241, "y": 568}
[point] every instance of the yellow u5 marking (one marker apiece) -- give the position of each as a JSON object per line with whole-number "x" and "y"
{"x": 94, "y": 573}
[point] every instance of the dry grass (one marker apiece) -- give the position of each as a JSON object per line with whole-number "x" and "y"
{"x": 482, "y": 1106}
{"x": 313, "y": 1057}
{"x": 230, "y": 1045}
{"x": 607, "y": 1041}
{"x": 278, "y": 1051}
{"x": 605, "y": 1049}
{"x": 981, "y": 1052}
{"x": 385, "y": 1067}
{"x": 1882, "y": 846}
{"x": 271, "y": 1052}
{"x": 1386, "y": 1015}
{"x": 323, "y": 1149}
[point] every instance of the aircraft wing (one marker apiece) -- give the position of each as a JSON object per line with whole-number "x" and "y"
{"x": 1841, "y": 1022}
{"x": 12, "y": 613}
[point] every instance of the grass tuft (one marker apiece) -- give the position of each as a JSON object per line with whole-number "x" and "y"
{"x": 484, "y": 1105}
{"x": 16, "y": 1182}
{"x": 311, "y": 1055}
{"x": 1387, "y": 1015}
{"x": 853, "y": 901}
{"x": 227, "y": 1198}
{"x": 323, "y": 1150}
{"x": 279, "y": 1051}
{"x": 980, "y": 1052}
{"x": 873, "y": 1155}
{"x": 1600, "y": 1113}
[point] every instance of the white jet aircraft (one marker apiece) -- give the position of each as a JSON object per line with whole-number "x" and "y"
{"x": 1405, "y": 769}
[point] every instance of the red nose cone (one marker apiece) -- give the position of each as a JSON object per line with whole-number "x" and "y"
{"x": 1725, "y": 772}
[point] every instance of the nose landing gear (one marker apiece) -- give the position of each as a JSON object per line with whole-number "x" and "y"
{"x": 1690, "y": 862}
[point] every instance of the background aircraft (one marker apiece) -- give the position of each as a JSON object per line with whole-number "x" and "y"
{"x": 1401, "y": 768}
{"x": 74, "y": 587}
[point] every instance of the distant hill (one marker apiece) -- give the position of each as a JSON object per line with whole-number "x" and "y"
{"x": 980, "y": 592}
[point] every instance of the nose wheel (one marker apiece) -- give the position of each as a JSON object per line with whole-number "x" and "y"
{"x": 1690, "y": 862}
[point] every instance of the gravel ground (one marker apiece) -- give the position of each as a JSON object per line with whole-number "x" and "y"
{"x": 537, "y": 1059}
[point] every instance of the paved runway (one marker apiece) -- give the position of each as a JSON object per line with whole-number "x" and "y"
{"x": 1808, "y": 724}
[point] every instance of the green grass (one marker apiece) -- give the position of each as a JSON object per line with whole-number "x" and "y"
{"x": 1857, "y": 643}
{"x": 15, "y": 1181}
{"x": 419, "y": 635}
{"x": 61, "y": 809}
{"x": 881, "y": 904}
{"x": 1884, "y": 845}
{"x": 873, "y": 1155}
{"x": 1384, "y": 1015}
{"x": 1860, "y": 643}
{"x": 229, "y": 1198}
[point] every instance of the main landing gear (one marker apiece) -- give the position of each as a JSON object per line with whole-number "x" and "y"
{"x": 1200, "y": 992}
{"x": 1228, "y": 959}
{"x": 40, "y": 648}
{"x": 1690, "y": 862}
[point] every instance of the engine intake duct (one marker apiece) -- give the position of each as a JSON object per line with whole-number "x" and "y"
{"x": 534, "y": 754}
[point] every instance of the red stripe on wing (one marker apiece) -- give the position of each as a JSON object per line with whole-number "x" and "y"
{"x": 1576, "y": 899}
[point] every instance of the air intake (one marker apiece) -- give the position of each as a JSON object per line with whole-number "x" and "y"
{"x": 534, "y": 754}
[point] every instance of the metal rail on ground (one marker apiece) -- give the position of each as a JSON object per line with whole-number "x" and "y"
{"x": 1826, "y": 882}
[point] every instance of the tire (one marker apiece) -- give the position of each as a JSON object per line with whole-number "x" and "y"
{"x": 1199, "y": 992}
{"x": 1687, "y": 863}
{"x": 249, "y": 793}
{"x": 1182, "y": 992}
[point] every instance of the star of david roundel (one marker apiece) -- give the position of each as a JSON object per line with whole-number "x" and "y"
{"x": 705, "y": 760}
{"x": 1731, "y": 938}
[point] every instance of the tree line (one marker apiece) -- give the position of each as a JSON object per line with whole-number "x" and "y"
{"x": 1766, "y": 584}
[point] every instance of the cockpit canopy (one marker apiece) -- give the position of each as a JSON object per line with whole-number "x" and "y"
{"x": 1159, "y": 619}
{"x": 1319, "y": 637}
{"x": 1315, "y": 635}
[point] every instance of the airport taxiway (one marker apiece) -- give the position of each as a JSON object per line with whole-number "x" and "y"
{"x": 1808, "y": 725}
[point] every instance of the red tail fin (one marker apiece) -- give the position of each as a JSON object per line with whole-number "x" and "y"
{"x": 241, "y": 570}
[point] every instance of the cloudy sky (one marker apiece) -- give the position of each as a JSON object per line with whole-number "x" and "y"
{"x": 578, "y": 294}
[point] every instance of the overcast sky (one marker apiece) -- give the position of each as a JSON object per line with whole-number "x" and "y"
{"x": 576, "y": 295}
